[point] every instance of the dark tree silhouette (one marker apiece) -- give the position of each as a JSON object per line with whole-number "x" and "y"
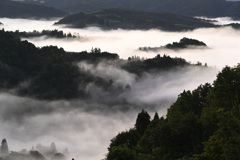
{"x": 156, "y": 117}
{"x": 142, "y": 122}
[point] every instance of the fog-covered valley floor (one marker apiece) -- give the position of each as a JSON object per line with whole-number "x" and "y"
{"x": 86, "y": 127}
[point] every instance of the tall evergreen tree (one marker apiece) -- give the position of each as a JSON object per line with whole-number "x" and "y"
{"x": 156, "y": 117}
{"x": 142, "y": 121}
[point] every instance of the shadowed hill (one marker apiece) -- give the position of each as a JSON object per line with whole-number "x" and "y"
{"x": 52, "y": 73}
{"x": 13, "y": 9}
{"x": 125, "y": 18}
{"x": 210, "y": 8}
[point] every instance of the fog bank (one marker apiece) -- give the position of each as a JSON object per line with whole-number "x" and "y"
{"x": 86, "y": 127}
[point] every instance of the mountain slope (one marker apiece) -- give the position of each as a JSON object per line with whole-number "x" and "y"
{"x": 13, "y": 9}
{"x": 211, "y": 8}
{"x": 132, "y": 19}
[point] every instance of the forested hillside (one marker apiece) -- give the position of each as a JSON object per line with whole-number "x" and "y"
{"x": 203, "y": 124}
{"x": 125, "y": 18}
{"x": 52, "y": 73}
{"x": 13, "y": 9}
{"x": 211, "y": 8}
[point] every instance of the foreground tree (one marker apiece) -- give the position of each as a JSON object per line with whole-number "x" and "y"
{"x": 142, "y": 121}
{"x": 203, "y": 124}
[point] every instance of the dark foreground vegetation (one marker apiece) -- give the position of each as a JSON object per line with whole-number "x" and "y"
{"x": 51, "y": 73}
{"x": 203, "y": 124}
{"x": 184, "y": 43}
{"x": 124, "y": 18}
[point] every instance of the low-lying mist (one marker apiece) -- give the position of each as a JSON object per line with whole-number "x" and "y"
{"x": 86, "y": 127}
{"x": 222, "y": 41}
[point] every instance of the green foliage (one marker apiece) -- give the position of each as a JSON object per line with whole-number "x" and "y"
{"x": 189, "y": 102}
{"x": 156, "y": 117}
{"x": 143, "y": 119}
{"x": 226, "y": 92}
{"x": 201, "y": 125}
{"x": 224, "y": 144}
{"x": 121, "y": 152}
{"x": 128, "y": 138}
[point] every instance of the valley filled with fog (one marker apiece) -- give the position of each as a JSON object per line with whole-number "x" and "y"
{"x": 223, "y": 42}
{"x": 86, "y": 127}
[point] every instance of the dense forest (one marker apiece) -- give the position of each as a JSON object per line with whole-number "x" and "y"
{"x": 125, "y": 18}
{"x": 44, "y": 72}
{"x": 209, "y": 8}
{"x": 14, "y": 9}
{"x": 203, "y": 124}
{"x": 182, "y": 44}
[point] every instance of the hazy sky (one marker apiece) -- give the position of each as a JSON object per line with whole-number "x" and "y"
{"x": 86, "y": 128}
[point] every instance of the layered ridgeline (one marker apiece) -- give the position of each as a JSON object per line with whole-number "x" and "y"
{"x": 51, "y": 73}
{"x": 14, "y": 9}
{"x": 184, "y": 43}
{"x": 125, "y": 18}
{"x": 203, "y": 124}
{"x": 209, "y": 8}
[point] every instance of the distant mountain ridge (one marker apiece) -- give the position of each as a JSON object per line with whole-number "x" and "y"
{"x": 209, "y": 8}
{"x": 14, "y": 9}
{"x": 126, "y": 18}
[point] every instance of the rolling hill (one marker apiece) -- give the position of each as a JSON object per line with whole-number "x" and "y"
{"x": 125, "y": 18}
{"x": 14, "y": 9}
{"x": 209, "y": 8}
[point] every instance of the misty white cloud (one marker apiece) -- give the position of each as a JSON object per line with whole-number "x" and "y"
{"x": 223, "y": 42}
{"x": 221, "y": 20}
{"x": 86, "y": 127}
{"x": 109, "y": 70}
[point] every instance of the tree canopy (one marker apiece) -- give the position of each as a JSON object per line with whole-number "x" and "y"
{"x": 202, "y": 124}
